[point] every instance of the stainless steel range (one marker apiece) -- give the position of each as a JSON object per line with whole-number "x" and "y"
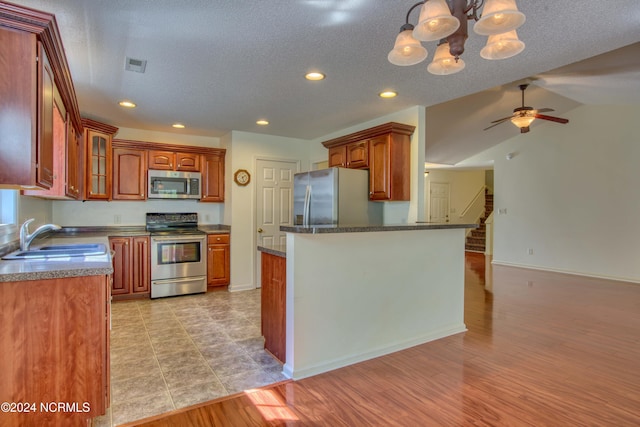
{"x": 178, "y": 256}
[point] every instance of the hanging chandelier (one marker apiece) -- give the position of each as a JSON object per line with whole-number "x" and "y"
{"x": 446, "y": 21}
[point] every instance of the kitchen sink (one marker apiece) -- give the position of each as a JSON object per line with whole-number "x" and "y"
{"x": 57, "y": 251}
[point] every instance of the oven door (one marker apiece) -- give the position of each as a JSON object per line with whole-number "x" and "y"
{"x": 178, "y": 256}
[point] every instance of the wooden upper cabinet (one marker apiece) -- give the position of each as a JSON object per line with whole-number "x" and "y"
{"x": 354, "y": 155}
{"x": 129, "y": 174}
{"x": 74, "y": 164}
{"x": 386, "y": 151}
{"x": 213, "y": 177}
{"x": 161, "y": 160}
{"x": 338, "y": 156}
{"x": 188, "y": 162}
{"x": 98, "y": 170}
{"x": 26, "y": 148}
{"x": 170, "y": 160}
{"x": 45, "y": 143}
{"x": 358, "y": 155}
{"x": 33, "y": 68}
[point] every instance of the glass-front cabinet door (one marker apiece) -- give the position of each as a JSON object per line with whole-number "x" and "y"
{"x": 98, "y": 155}
{"x": 99, "y": 165}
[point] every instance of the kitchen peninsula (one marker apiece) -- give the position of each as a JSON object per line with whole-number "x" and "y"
{"x": 358, "y": 292}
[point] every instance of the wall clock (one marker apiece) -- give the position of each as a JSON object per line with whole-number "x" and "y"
{"x": 242, "y": 177}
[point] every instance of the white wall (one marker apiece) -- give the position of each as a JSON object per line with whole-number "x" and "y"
{"x": 463, "y": 188}
{"x": 355, "y": 296}
{"x": 571, "y": 195}
{"x": 243, "y": 150}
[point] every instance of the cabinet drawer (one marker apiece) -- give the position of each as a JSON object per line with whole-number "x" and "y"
{"x": 218, "y": 239}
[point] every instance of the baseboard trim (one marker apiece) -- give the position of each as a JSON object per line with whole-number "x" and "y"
{"x": 561, "y": 271}
{"x": 241, "y": 287}
{"x": 297, "y": 374}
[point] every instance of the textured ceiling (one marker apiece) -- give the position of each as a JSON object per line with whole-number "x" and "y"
{"x": 221, "y": 65}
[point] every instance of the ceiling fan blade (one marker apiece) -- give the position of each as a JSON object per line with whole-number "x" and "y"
{"x": 496, "y": 124}
{"x": 545, "y": 110}
{"x": 502, "y": 119}
{"x": 552, "y": 118}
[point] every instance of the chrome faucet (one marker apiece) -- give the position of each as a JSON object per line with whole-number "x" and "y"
{"x": 26, "y": 238}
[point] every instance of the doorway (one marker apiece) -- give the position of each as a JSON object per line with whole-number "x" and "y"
{"x": 438, "y": 202}
{"x": 274, "y": 202}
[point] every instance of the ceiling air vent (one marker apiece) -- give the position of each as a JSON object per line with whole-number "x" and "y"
{"x": 137, "y": 65}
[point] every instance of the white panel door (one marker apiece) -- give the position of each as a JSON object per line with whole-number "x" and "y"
{"x": 274, "y": 203}
{"x": 438, "y": 202}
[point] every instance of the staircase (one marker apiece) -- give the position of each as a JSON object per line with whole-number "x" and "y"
{"x": 476, "y": 239}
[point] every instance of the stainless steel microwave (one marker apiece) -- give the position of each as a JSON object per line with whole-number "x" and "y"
{"x": 174, "y": 185}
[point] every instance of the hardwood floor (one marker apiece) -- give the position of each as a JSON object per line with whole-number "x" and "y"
{"x": 542, "y": 349}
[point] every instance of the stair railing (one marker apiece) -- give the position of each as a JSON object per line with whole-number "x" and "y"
{"x": 474, "y": 209}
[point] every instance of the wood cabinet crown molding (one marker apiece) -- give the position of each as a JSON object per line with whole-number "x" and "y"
{"x": 45, "y": 27}
{"x": 391, "y": 127}
{"x": 161, "y": 146}
{"x": 100, "y": 127}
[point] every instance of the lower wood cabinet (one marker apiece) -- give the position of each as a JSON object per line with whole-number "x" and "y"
{"x": 273, "y": 304}
{"x": 55, "y": 348}
{"x": 131, "y": 267}
{"x": 218, "y": 260}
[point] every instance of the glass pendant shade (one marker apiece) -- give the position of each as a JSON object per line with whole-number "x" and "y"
{"x": 523, "y": 120}
{"x": 502, "y": 46}
{"x": 499, "y": 16}
{"x": 407, "y": 50}
{"x": 435, "y": 22}
{"x": 444, "y": 63}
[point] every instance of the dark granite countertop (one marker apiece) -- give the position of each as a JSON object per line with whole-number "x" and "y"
{"x": 325, "y": 229}
{"x": 215, "y": 228}
{"x": 277, "y": 250}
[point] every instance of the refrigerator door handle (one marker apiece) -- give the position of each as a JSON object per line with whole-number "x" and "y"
{"x": 307, "y": 203}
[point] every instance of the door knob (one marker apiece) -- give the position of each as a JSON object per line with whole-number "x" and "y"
{"x": 259, "y": 230}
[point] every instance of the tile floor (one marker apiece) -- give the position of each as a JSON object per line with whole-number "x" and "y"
{"x": 175, "y": 352}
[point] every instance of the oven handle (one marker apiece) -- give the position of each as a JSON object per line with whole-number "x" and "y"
{"x": 169, "y": 238}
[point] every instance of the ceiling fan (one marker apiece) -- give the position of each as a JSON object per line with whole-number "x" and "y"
{"x": 523, "y": 116}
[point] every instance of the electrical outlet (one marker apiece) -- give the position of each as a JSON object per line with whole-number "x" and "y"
{"x": 502, "y": 211}
{"x": 207, "y": 218}
{"x": 530, "y": 251}
{"x": 117, "y": 219}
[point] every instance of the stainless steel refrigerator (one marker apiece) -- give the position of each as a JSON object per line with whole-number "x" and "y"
{"x": 334, "y": 196}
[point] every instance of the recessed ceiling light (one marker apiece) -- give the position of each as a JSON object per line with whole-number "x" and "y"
{"x": 178, "y": 125}
{"x": 262, "y": 122}
{"x": 388, "y": 94}
{"x": 314, "y": 76}
{"x": 127, "y": 104}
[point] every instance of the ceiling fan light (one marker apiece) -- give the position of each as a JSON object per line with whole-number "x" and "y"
{"x": 435, "y": 21}
{"x": 444, "y": 63}
{"x": 499, "y": 16}
{"x": 407, "y": 50}
{"x": 523, "y": 120}
{"x": 502, "y": 46}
